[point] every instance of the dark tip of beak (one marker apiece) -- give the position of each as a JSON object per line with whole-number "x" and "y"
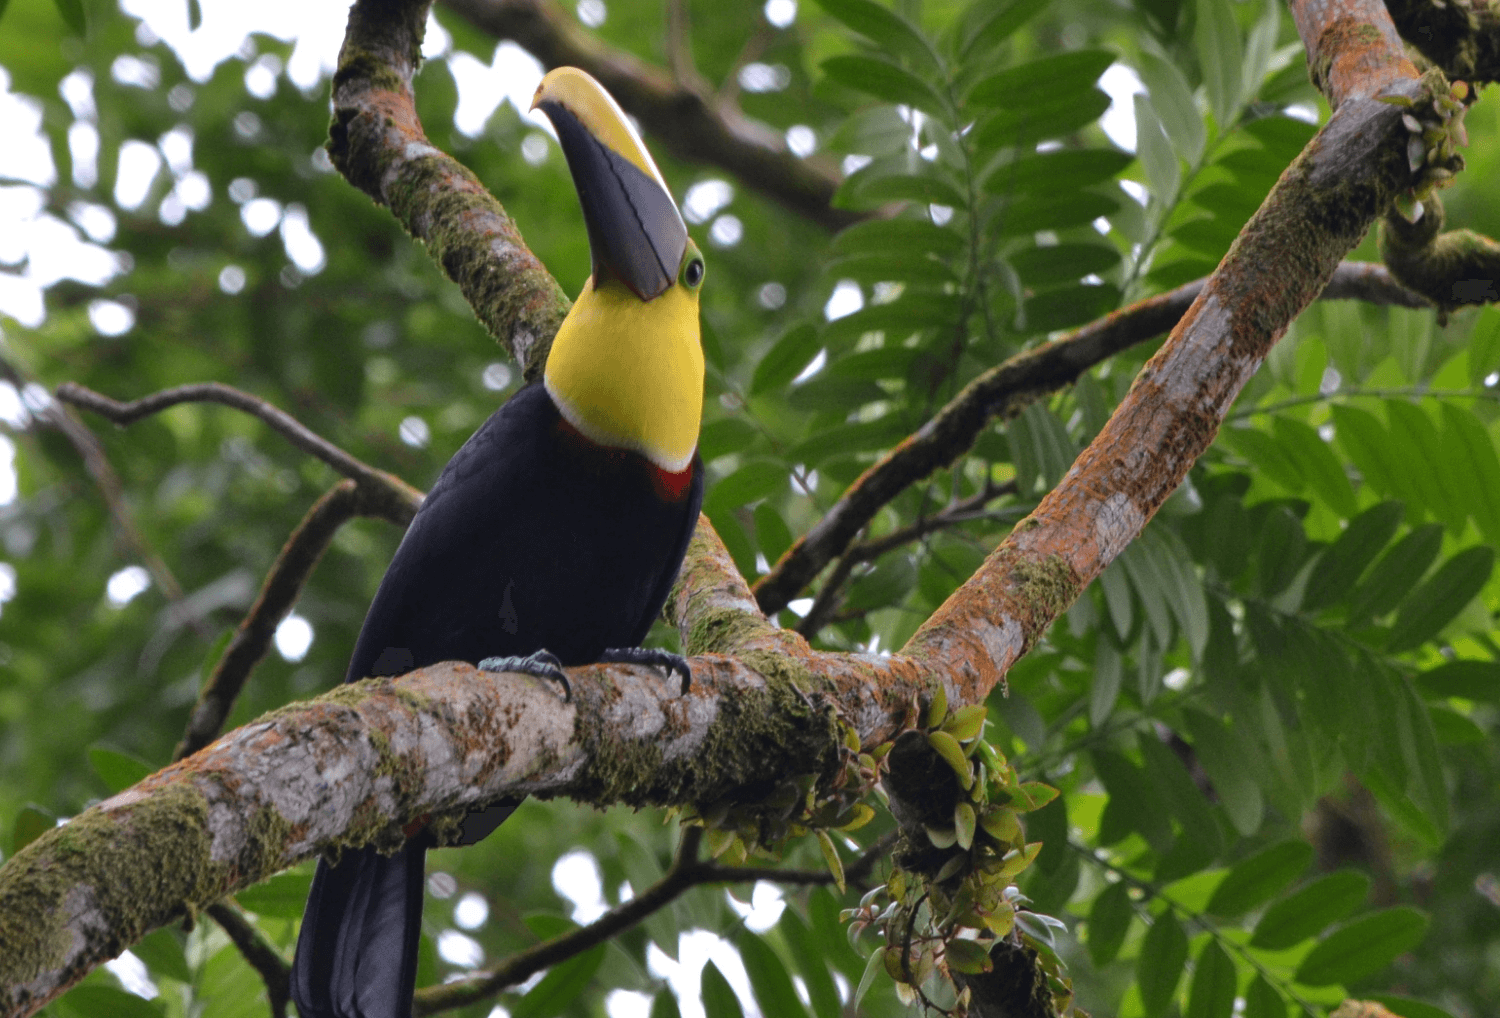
{"x": 635, "y": 231}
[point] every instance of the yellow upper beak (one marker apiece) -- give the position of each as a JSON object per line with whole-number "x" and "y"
{"x": 636, "y": 233}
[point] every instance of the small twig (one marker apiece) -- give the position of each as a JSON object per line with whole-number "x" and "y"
{"x": 1001, "y": 393}
{"x": 280, "y": 421}
{"x": 825, "y": 606}
{"x": 259, "y": 952}
{"x": 680, "y": 46}
{"x": 96, "y": 462}
{"x": 686, "y": 873}
{"x": 278, "y": 593}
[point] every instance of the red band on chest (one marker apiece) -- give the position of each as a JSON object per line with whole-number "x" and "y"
{"x": 669, "y": 486}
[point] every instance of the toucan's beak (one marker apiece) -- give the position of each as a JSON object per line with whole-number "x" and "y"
{"x": 636, "y": 233}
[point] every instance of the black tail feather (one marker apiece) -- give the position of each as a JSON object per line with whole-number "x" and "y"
{"x": 357, "y": 952}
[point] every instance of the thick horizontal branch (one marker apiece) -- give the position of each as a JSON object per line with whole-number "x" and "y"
{"x": 676, "y": 111}
{"x": 356, "y": 765}
{"x": 386, "y": 494}
{"x": 1003, "y": 392}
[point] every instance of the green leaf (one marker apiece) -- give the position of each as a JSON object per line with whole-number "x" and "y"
{"x": 1363, "y": 947}
{"x": 118, "y": 770}
{"x": 94, "y": 1001}
{"x": 1419, "y": 747}
{"x": 1212, "y": 993}
{"x": 1346, "y": 559}
{"x": 1132, "y": 803}
{"x": 565, "y": 981}
{"x": 1217, "y": 39}
{"x": 1474, "y": 464}
{"x": 31, "y": 823}
{"x": 1158, "y": 159}
{"x": 1307, "y": 913}
{"x": 1258, "y": 879}
{"x": 1362, "y": 437}
{"x": 1438, "y": 601}
{"x": 1484, "y": 346}
{"x": 910, "y": 236}
{"x": 1170, "y": 779}
{"x": 1044, "y": 114}
{"x": 967, "y": 956}
{"x": 719, "y": 1000}
{"x": 282, "y": 896}
{"x": 1028, "y": 214}
{"x": 771, "y": 531}
{"x": 72, "y": 13}
{"x": 786, "y": 359}
{"x": 886, "y": 80}
{"x": 1414, "y": 439}
{"x": 1263, "y": 1001}
{"x": 769, "y": 979}
{"x": 886, "y": 27}
{"x": 1172, "y": 98}
{"x": 1046, "y": 266}
{"x": 1163, "y": 955}
{"x": 997, "y": 22}
{"x": 163, "y": 955}
{"x": 1397, "y": 572}
{"x": 1471, "y": 680}
{"x": 1317, "y": 464}
{"x": 873, "y": 967}
{"x": 664, "y": 1004}
{"x": 831, "y": 858}
{"x": 812, "y": 963}
{"x": 1109, "y": 921}
{"x": 1066, "y": 72}
{"x": 1104, "y": 691}
{"x": 1048, "y": 172}
{"x": 1238, "y": 793}
{"x": 750, "y": 483}
{"x": 1406, "y": 1007}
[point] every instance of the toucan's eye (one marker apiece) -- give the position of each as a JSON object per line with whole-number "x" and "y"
{"x": 692, "y": 273}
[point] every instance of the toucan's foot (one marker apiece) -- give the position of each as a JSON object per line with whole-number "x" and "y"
{"x": 543, "y": 664}
{"x": 653, "y": 658}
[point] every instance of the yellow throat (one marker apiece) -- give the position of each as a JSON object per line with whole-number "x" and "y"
{"x": 628, "y": 373}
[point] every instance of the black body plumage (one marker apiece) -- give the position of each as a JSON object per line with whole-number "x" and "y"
{"x": 532, "y": 538}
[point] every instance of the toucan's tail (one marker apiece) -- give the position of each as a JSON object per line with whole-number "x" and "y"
{"x": 357, "y": 952}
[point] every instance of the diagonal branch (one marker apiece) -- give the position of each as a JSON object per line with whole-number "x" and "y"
{"x": 680, "y": 114}
{"x": 401, "y": 499}
{"x": 1001, "y": 393}
{"x": 279, "y": 592}
{"x": 687, "y": 872}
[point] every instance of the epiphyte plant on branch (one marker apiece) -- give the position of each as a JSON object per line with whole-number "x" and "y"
{"x": 1300, "y": 632}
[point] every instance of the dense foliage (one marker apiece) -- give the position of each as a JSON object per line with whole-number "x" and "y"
{"x": 1273, "y": 720}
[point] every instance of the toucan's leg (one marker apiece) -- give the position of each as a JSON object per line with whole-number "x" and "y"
{"x": 543, "y": 664}
{"x": 653, "y": 658}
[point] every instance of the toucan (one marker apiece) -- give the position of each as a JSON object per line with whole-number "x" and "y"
{"x": 550, "y": 539}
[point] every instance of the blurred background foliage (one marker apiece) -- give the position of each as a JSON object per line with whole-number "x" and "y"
{"x": 1273, "y": 719}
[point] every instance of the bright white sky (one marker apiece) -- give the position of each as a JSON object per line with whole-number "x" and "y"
{"x": 37, "y": 249}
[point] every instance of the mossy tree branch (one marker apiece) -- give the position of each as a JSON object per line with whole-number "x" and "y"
{"x": 1003, "y": 392}
{"x": 354, "y": 766}
{"x": 1461, "y": 38}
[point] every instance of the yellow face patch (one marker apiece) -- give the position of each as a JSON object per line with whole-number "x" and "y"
{"x": 628, "y": 373}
